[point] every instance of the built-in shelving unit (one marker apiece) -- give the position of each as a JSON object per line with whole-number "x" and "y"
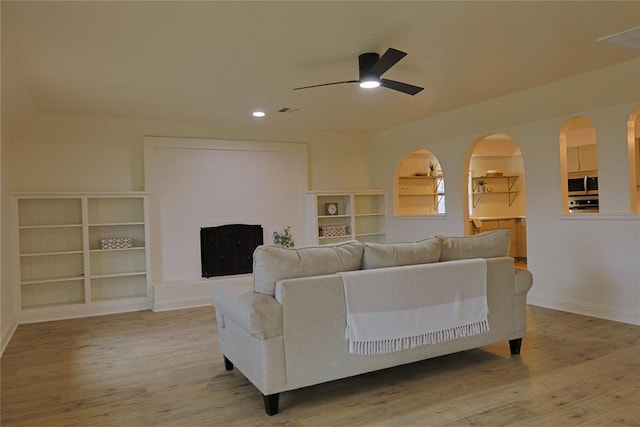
{"x": 62, "y": 268}
{"x": 510, "y": 192}
{"x": 361, "y": 215}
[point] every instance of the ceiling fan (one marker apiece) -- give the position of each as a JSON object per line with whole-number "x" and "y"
{"x": 372, "y": 66}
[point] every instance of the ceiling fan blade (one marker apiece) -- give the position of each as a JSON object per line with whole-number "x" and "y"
{"x": 401, "y": 87}
{"x": 326, "y": 84}
{"x": 388, "y": 60}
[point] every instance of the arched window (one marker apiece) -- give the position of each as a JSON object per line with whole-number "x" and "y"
{"x": 633, "y": 132}
{"x": 579, "y": 166}
{"x": 419, "y": 185}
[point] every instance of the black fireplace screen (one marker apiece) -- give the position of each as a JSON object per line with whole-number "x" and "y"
{"x": 228, "y": 249}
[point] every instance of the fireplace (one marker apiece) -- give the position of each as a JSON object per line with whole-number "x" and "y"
{"x": 228, "y": 249}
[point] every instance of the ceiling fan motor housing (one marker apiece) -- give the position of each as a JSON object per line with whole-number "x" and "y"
{"x": 366, "y": 61}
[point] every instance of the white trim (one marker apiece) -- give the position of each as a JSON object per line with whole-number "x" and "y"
{"x": 83, "y": 310}
{"x": 7, "y": 334}
{"x": 181, "y": 294}
{"x": 592, "y": 310}
{"x": 601, "y": 216}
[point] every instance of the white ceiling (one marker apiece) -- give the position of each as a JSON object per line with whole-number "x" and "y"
{"x": 214, "y": 62}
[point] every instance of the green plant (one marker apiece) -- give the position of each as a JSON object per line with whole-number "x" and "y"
{"x": 432, "y": 166}
{"x": 482, "y": 182}
{"x": 284, "y": 239}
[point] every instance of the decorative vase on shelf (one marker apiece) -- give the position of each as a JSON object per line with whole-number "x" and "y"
{"x": 480, "y": 188}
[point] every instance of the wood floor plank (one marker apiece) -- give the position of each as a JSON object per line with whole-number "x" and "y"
{"x": 164, "y": 369}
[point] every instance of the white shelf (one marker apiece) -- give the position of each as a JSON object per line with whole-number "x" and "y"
{"x": 36, "y": 254}
{"x": 115, "y": 224}
{"x": 370, "y": 234}
{"x": 135, "y": 248}
{"x": 125, "y": 274}
{"x": 37, "y": 227}
{"x": 51, "y": 280}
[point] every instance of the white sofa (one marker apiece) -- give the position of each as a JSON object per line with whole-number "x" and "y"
{"x": 287, "y": 329}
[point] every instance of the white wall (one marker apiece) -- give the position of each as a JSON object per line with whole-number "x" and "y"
{"x": 85, "y": 153}
{"x": 16, "y": 109}
{"x": 582, "y": 264}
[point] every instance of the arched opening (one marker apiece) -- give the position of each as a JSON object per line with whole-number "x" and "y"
{"x": 419, "y": 185}
{"x": 495, "y": 190}
{"x": 633, "y": 134}
{"x": 579, "y": 166}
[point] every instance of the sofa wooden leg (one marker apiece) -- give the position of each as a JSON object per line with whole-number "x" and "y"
{"x": 228, "y": 364}
{"x": 271, "y": 403}
{"x": 515, "y": 345}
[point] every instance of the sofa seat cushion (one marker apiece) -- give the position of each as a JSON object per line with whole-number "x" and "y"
{"x": 486, "y": 245}
{"x": 260, "y": 315}
{"x": 378, "y": 255}
{"x": 274, "y": 263}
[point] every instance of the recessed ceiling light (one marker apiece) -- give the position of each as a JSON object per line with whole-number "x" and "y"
{"x": 258, "y": 114}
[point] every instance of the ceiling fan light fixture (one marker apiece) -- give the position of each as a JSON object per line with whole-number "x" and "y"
{"x": 370, "y": 83}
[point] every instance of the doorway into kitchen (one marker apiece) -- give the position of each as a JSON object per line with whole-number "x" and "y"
{"x": 496, "y": 191}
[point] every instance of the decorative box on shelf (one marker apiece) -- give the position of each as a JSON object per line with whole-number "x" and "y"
{"x": 333, "y": 231}
{"x": 116, "y": 243}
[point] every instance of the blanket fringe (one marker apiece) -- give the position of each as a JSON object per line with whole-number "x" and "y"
{"x": 365, "y": 348}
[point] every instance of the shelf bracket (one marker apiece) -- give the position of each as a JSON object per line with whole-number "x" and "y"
{"x": 476, "y": 200}
{"x": 512, "y": 197}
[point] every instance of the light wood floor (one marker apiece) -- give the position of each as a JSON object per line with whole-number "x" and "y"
{"x": 164, "y": 369}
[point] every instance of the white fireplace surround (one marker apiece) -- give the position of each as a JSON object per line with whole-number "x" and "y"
{"x": 194, "y": 183}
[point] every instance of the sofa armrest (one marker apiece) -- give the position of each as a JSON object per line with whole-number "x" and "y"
{"x": 524, "y": 281}
{"x": 258, "y": 314}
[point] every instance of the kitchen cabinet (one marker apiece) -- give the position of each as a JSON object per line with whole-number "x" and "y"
{"x": 583, "y": 158}
{"x": 360, "y": 215}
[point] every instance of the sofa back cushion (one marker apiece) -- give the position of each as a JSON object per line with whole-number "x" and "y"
{"x": 378, "y": 255}
{"x": 273, "y": 263}
{"x": 486, "y": 245}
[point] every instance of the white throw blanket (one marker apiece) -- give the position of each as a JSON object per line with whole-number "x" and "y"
{"x": 393, "y": 309}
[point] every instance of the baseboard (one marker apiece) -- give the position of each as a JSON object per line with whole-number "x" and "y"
{"x": 599, "y": 311}
{"x": 82, "y": 310}
{"x": 7, "y": 334}
{"x": 181, "y": 294}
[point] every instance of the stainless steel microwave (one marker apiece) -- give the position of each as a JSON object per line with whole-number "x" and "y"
{"x": 583, "y": 185}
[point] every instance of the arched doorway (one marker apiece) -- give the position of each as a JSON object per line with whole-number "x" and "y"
{"x": 495, "y": 189}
